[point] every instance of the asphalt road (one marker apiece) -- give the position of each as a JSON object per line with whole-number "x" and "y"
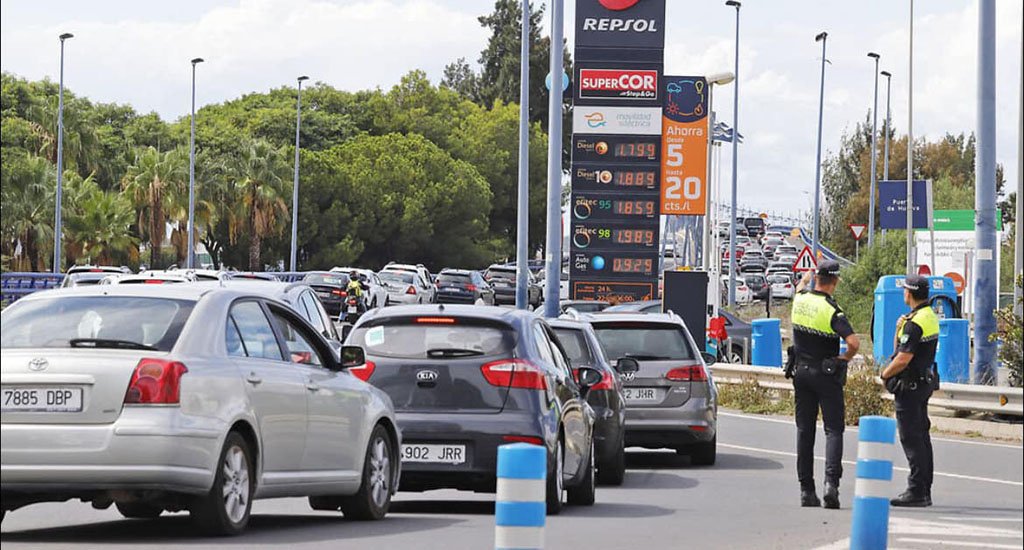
{"x": 748, "y": 500}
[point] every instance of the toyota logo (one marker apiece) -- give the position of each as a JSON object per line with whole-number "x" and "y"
{"x": 426, "y": 376}
{"x": 628, "y": 376}
{"x": 38, "y": 364}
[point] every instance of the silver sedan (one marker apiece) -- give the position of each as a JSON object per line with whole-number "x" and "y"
{"x": 186, "y": 397}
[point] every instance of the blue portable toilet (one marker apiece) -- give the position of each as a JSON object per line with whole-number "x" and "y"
{"x": 765, "y": 343}
{"x": 889, "y": 307}
{"x": 953, "y": 355}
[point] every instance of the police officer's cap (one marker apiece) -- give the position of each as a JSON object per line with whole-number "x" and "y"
{"x": 828, "y": 268}
{"x": 917, "y": 285}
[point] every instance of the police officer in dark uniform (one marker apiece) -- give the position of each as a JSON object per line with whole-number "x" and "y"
{"x": 819, "y": 374}
{"x": 911, "y": 377}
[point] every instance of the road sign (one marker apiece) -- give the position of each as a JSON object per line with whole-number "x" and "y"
{"x": 805, "y": 261}
{"x": 857, "y": 229}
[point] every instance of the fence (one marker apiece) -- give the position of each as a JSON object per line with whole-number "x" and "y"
{"x": 14, "y": 285}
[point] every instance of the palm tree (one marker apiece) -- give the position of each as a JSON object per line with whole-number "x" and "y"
{"x": 27, "y": 207}
{"x": 99, "y": 224}
{"x": 155, "y": 184}
{"x": 257, "y": 177}
{"x": 82, "y": 149}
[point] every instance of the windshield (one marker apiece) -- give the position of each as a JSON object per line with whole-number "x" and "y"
{"x": 408, "y": 339}
{"x": 574, "y": 342}
{"x": 396, "y": 277}
{"x": 333, "y": 279}
{"x": 644, "y": 341}
{"x": 494, "y": 273}
{"x": 453, "y": 278}
{"x": 755, "y": 280}
{"x": 83, "y": 279}
{"x": 778, "y": 279}
{"x": 55, "y": 322}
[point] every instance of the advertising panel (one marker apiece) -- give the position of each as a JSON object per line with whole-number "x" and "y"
{"x": 593, "y": 119}
{"x": 618, "y": 24}
{"x": 684, "y": 142}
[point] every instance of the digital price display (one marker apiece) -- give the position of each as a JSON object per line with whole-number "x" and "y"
{"x": 624, "y": 264}
{"x": 618, "y": 178}
{"x": 614, "y": 149}
{"x": 608, "y": 236}
{"x": 603, "y": 208}
{"x": 616, "y": 292}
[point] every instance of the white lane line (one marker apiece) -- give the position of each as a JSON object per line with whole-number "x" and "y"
{"x": 854, "y": 429}
{"x": 897, "y": 468}
{"x": 958, "y": 543}
{"x": 969, "y": 518}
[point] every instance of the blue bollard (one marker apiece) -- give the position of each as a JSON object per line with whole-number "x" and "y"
{"x": 765, "y": 343}
{"x": 520, "y": 509}
{"x": 869, "y": 529}
{"x": 953, "y": 355}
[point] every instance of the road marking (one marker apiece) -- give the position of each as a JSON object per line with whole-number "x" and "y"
{"x": 896, "y": 468}
{"x": 952, "y": 529}
{"x": 854, "y": 429}
{"x": 962, "y": 518}
{"x": 959, "y": 543}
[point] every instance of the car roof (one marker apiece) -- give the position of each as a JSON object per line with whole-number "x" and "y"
{"x": 626, "y": 317}
{"x": 183, "y": 291}
{"x": 96, "y": 269}
{"x": 567, "y": 323}
{"x": 507, "y": 315}
{"x": 451, "y": 271}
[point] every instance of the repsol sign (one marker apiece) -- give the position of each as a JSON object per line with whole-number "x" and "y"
{"x": 620, "y": 23}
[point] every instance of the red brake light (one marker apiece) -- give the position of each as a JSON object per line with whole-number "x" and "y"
{"x": 522, "y": 439}
{"x": 155, "y": 381}
{"x": 436, "y": 320}
{"x": 514, "y": 373}
{"x": 364, "y": 371}
{"x": 411, "y": 290}
{"x": 340, "y": 293}
{"x": 154, "y": 281}
{"x": 692, "y": 373}
{"x": 471, "y": 287}
{"x": 606, "y": 382}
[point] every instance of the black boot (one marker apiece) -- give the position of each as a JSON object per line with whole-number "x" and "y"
{"x": 831, "y": 496}
{"x": 909, "y": 499}
{"x": 809, "y": 499}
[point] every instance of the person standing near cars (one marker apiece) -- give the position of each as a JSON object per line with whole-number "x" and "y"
{"x": 911, "y": 377}
{"x": 819, "y": 374}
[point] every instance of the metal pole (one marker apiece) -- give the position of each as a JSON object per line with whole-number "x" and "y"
{"x": 986, "y": 269}
{"x": 910, "y": 148}
{"x": 823, "y": 38}
{"x": 295, "y": 180}
{"x": 874, "y": 157}
{"x": 553, "y": 247}
{"x": 735, "y": 155}
{"x": 191, "y": 260}
{"x": 1018, "y": 260}
{"x": 523, "y": 198}
{"x": 60, "y": 161}
{"x": 888, "y": 122}
{"x": 706, "y": 252}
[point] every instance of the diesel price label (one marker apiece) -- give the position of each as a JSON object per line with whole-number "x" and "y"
{"x": 614, "y": 178}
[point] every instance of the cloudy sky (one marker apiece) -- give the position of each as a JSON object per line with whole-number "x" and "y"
{"x": 138, "y": 53}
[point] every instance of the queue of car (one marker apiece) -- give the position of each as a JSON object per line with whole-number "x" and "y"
{"x": 764, "y": 267}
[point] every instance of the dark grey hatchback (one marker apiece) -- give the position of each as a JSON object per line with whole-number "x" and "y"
{"x": 466, "y": 379}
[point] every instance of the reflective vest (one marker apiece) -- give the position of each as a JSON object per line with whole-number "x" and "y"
{"x": 355, "y": 288}
{"x": 813, "y": 336}
{"x": 924, "y": 355}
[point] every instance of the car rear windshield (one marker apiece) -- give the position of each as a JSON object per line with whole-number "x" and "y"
{"x": 754, "y": 279}
{"x": 396, "y": 277}
{"x": 434, "y": 338}
{"x": 574, "y": 342}
{"x": 334, "y": 279}
{"x": 644, "y": 341}
{"x": 453, "y": 278}
{"x": 125, "y": 322}
{"x": 779, "y": 279}
{"x": 494, "y": 273}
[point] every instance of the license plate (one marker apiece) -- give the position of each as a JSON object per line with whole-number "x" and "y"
{"x": 641, "y": 395}
{"x": 444, "y": 454}
{"x": 55, "y": 399}
{"x": 353, "y": 309}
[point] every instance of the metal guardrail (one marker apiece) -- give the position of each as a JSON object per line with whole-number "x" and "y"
{"x": 958, "y": 397}
{"x": 14, "y": 285}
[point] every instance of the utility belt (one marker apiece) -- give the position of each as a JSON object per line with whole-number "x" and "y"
{"x": 913, "y": 379}
{"x": 829, "y": 366}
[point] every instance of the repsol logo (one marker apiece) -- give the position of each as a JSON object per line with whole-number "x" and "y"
{"x": 616, "y": 24}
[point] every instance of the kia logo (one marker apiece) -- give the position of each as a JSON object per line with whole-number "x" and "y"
{"x": 38, "y": 364}
{"x": 426, "y": 376}
{"x": 618, "y": 5}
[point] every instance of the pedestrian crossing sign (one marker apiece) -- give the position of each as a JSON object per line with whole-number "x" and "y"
{"x": 805, "y": 261}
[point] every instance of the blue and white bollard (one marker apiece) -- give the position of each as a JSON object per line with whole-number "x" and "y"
{"x": 520, "y": 508}
{"x": 870, "y": 527}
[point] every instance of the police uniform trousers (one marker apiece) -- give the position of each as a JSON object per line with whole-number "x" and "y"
{"x": 914, "y": 427}
{"x": 813, "y": 389}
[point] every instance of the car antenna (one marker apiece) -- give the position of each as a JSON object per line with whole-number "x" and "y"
{"x": 440, "y": 308}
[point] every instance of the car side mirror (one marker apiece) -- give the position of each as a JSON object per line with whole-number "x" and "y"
{"x": 626, "y": 365}
{"x": 352, "y": 356}
{"x": 588, "y": 377}
{"x": 709, "y": 359}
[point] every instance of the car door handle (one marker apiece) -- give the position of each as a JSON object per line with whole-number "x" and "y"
{"x": 312, "y": 386}
{"x": 253, "y": 379}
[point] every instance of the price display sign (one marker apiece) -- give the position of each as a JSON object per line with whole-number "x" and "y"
{"x": 607, "y": 236}
{"x": 624, "y": 178}
{"x": 614, "y": 149}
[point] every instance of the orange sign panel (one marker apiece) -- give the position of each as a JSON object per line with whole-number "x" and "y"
{"x": 684, "y": 145}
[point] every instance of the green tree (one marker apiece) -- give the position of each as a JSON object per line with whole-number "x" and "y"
{"x": 156, "y": 183}
{"x": 98, "y": 224}
{"x": 258, "y": 178}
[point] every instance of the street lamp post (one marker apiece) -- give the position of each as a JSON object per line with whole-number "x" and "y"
{"x": 910, "y": 147}
{"x": 553, "y": 245}
{"x": 735, "y": 153}
{"x": 888, "y": 122}
{"x": 523, "y": 192}
{"x": 706, "y": 252}
{"x": 823, "y": 38}
{"x": 191, "y": 261}
{"x": 874, "y": 156}
{"x": 60, "y": 159}
{"x": 295, "y": 180}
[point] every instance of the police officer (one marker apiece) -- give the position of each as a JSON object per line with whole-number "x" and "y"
{"x": 819, "y": 374}
{"x": 912, "y": 378}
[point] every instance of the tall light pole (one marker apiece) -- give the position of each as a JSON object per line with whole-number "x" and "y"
{"x": 986, "y": 271}
{"x": 295, "y": 180}
{"x": 874, "y": 156}
{"x": 735, "y": 154}
{"x": 823, "y": 38}
{"x": 910, "y": 147}
{"x": 718, "y": 79}
{"x": 523, "y": 193}
{"x": 1018, "y": 254}
{"x": 191, "y": 261}
{"x": 553, "y": 246}
{"x": 888, "y": 122}
{"x": 60, "y": 159}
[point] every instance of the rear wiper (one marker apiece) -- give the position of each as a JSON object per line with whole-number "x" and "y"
{"x": 453, "y": 352}
{"x": 642, "y": 357}
{"x": 107, "y": 343}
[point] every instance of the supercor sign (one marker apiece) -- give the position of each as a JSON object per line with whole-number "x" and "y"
{"x": 618, "y": 83}
{"x": 620, "y": 23}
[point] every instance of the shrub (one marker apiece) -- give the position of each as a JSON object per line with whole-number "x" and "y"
{"x": 750, "y": 397}
{"x": 1010, "y": 334}
{"x": 864, "y": 395}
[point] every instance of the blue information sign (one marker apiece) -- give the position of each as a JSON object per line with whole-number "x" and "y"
{"x": 892, "y": 204}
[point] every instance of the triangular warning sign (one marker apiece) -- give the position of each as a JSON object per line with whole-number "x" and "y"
{"x": 857, "y": 229}
{"x": 805, "y": 261}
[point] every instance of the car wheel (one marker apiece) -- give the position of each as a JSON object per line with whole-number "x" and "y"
{"x": 374, "y": 496}
{"x": 554, "y": 485}
{"x": 613, "y": 470}
{"x": 139, "y": 510}
{"x": 585, "y": 493}
{"x": 704, "y": 454}
{"x": 736, "y": 355}
{"x": 225, "y": 509}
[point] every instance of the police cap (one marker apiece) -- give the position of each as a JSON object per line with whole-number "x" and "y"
{"x": 828, "y": 268}
{"x": 917, "y": 285}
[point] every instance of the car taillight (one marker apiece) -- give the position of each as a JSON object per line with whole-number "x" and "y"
{"x": 692, "y": 373}
{"x": 606, "y": 382}
{"x": 411, "y": 290}
{"x": 340, "y": 293}
{"x": 364, "y": 371}
{"x": 471, "y": 287}
{"x": 154, "y": 281}
{"x": 514, "y": 373}
{"x": 436, "y": 320}
{"x": 522, "y": 439}
{"x": 155, "y": 381}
